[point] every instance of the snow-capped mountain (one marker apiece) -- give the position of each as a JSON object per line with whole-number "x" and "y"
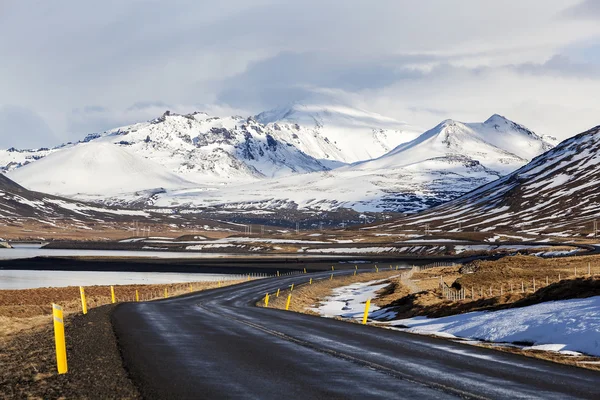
{"x": 96, "y": 168}
{"x": 557, "y": 193}
{"x": 498, "y": 144}
{"x": 449, "y": 160}
{"x": 336, "y": 132}
{"x": 205, "y": 149}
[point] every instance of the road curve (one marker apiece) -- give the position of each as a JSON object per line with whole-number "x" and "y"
{"x": 216, "y": 344}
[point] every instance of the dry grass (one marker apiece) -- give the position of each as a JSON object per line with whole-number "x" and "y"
{"x": 307, "y": 295}
{"x": 525, "y": 271}
{"x": 30, "y": 308}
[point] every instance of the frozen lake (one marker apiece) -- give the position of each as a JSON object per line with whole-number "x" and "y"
{"x": 16, "y": 279}
{"x": 34, "y": 250}
{"x": 29, "y": 251}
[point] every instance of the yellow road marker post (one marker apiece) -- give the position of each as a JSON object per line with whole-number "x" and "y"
{"x": 333, "y": 269}
{"x": 191, "y": 288}
{"x": 166, "y": 293}
{"x": 396, "y": 268}
{"x": 356, "y": 267}
{"x": 112, "y": 295}
{"x": 292, "y": 287}
{"x": 59, "y": 339}
{"x": 331, "y": 277}
{"x": 391, "y": 268}
{"x": 277, "y": 295}
{"x": 219, "y": 284}
{"x": 137, "y": 295}
{"x": 287, "y": 303}
{"x": 367, "y": 305}
{"x": 354, "y": 273}
{"x": 376, "y": 269}
{"x": 304, "y": 270}
{"x": 267, "y": 300}
{"x": 310, "y": 282}
{"x": 248, "y": 276}
{"x": 83, "y": 302}
{"x": 278, "y": 273}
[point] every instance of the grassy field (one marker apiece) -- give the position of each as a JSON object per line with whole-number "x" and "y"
{"x": 31, "y": 308}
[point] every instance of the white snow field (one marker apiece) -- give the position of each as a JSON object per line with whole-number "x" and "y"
{"x": 564, "y": 326}
{"x": 95, "y": 168}
{"x": 349, "y": 301}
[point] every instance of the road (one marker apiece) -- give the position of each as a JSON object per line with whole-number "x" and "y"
{"x": 217, "y": 344}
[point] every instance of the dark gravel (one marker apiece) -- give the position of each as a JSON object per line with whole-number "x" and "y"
{"x": 28, "y": 366}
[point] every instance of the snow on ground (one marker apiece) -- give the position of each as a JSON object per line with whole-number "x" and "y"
{"x": 349, "y": 301}
{"x": 566, "y": 325}
{"x": 95, "y": 169}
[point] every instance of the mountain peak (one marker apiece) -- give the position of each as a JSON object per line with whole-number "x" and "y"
{"x": 498, "y": 119}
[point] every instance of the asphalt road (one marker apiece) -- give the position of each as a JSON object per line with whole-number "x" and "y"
{"x": 216, "y": 344}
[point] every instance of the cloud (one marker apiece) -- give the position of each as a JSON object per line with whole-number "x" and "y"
{"x": 23, "y": 128}
{"x": 587, "y": 9}
{"x": 85, "y": 67}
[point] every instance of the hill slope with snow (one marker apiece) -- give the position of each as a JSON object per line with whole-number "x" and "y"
{"x": 19, "y": 205}
{"x": 557, "y": 193}
{"x": 95, "y": 168}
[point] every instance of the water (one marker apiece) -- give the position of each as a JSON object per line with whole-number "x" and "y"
{"x": 16, "y": 279}
{"x": 30, "y": 251}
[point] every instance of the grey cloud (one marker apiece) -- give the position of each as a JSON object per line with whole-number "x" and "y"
{"x": 587, "y": 9}
{"x": 142, "y": 105}
{"x": 24, "y": 128}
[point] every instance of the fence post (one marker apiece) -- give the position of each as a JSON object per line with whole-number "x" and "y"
{"x": 366, "y": 315}
{"x": 83, "y": 301}
{"x": 59, "y": 339}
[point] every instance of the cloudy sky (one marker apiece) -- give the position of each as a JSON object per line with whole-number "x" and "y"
{"x": 69, "y": 67}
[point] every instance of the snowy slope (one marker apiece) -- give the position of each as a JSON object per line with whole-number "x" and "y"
{"x": 451, "y": 159}
{"x": 95, "y": 168}
{"x": 566, "y": 325}
{"x": 556, "y": 193}
{"x": 499, "y": 144}
{"x": 337, "y": 132}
